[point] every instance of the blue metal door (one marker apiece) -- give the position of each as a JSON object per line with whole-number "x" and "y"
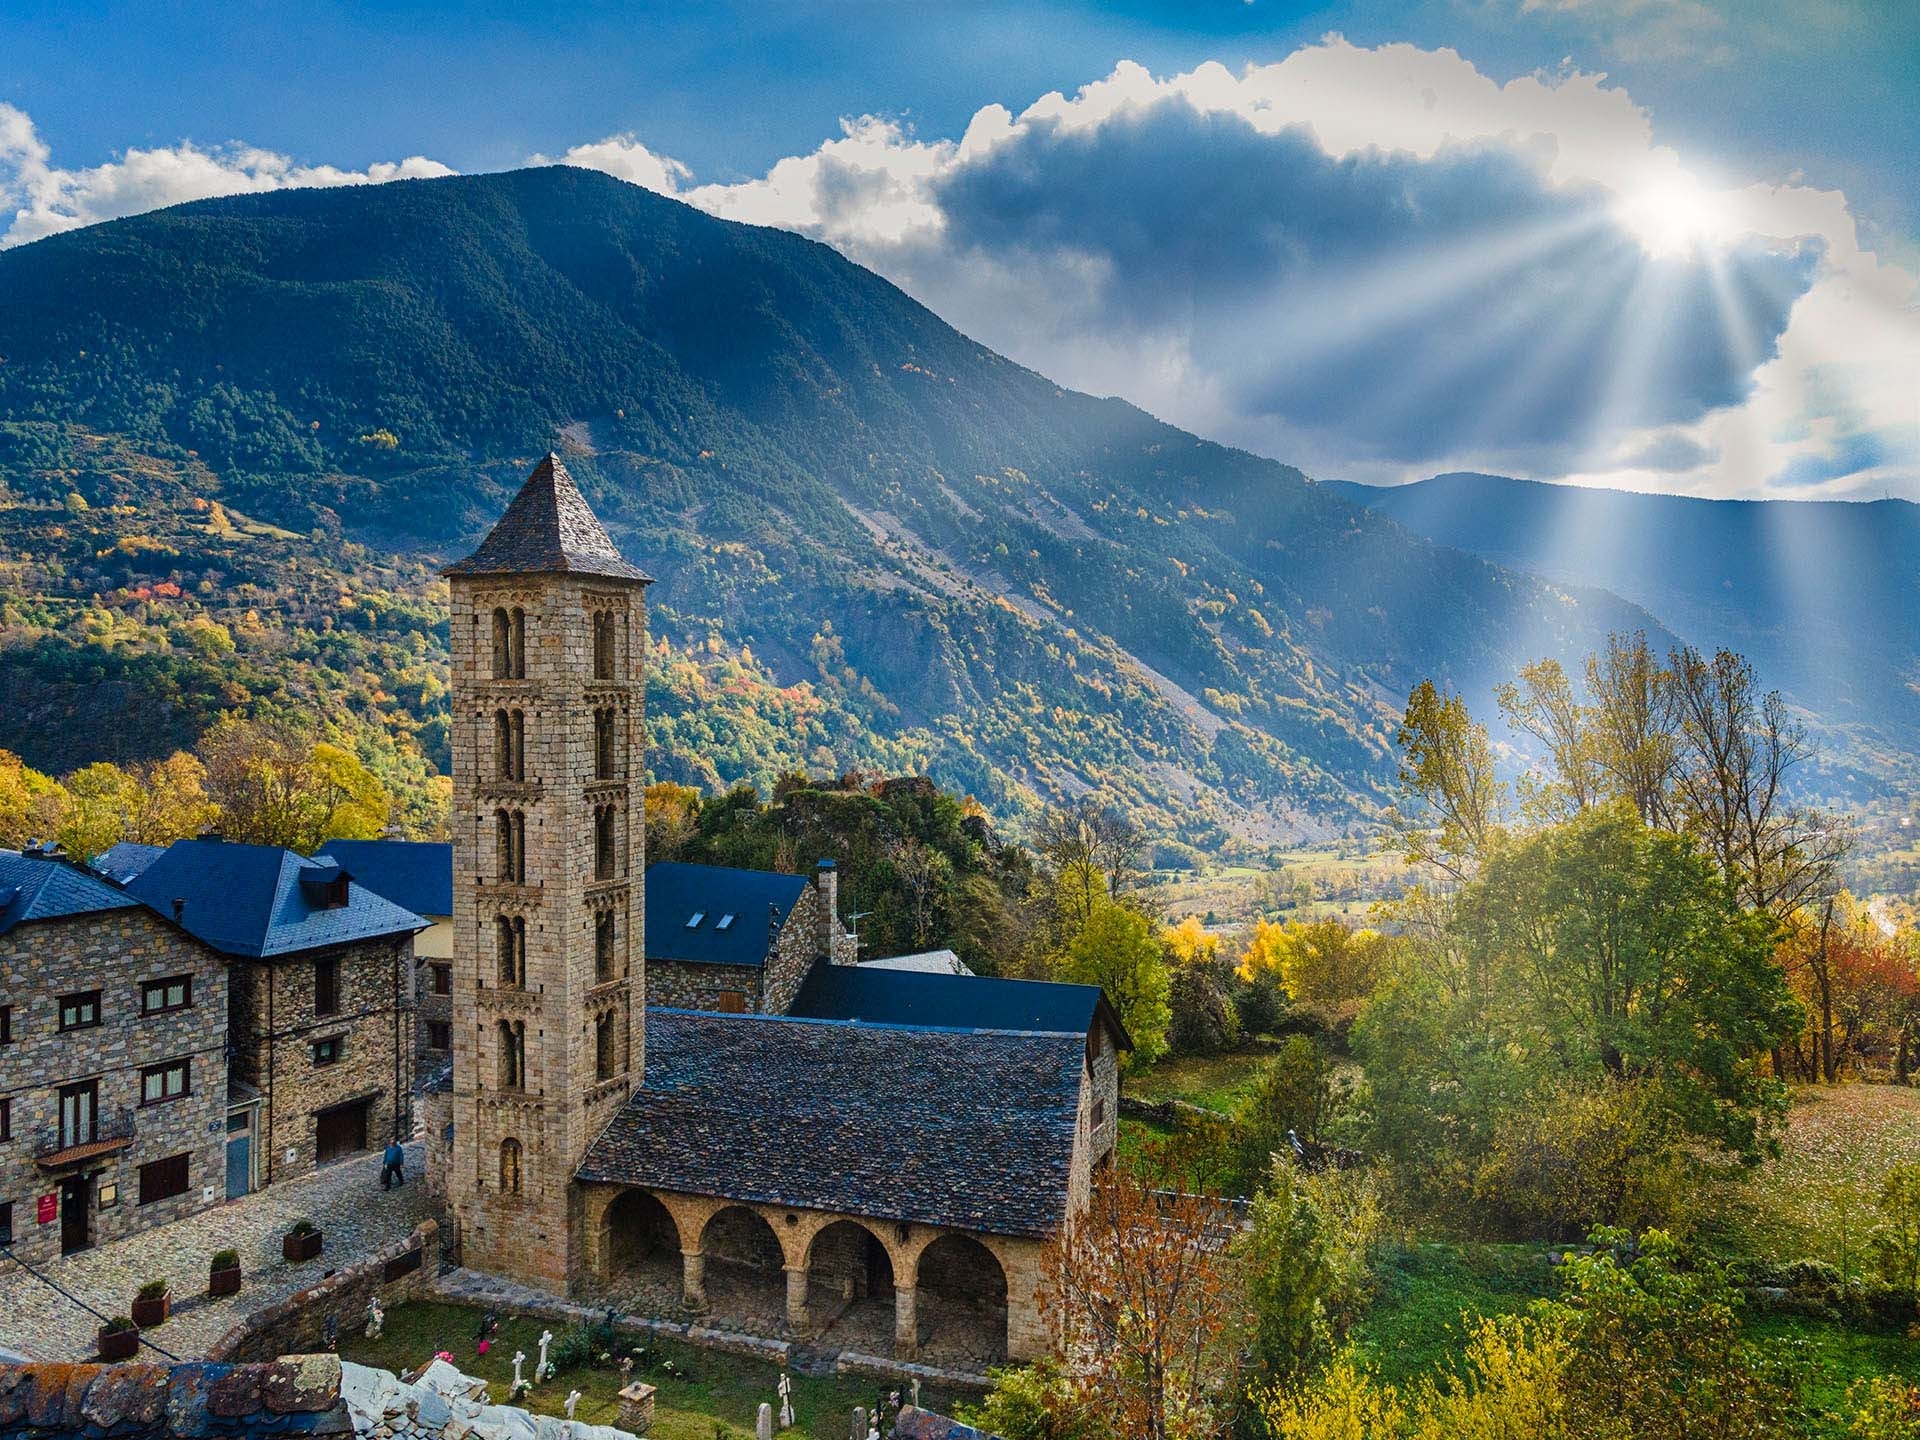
{"x": 239, "y": 1165}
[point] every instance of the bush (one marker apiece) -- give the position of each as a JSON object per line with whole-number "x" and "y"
{"x": 302, "y": 1227}
{"x": 151, "y": 1290}
{"x": 118, "y": 1324}
{"x": 579, "y": 1347}
{"x": 1576, "y": 1159}
{"x": 1886, "y": 1407}
{"x": 225, "y": 1259}
{"x": 1283, "y": 1255}
{"x": 1296, "y": 1090}
{"x": 1204, "y": 1021}
{"x": 1031, "y": 1402}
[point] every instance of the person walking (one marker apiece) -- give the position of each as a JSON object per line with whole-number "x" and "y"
{"x": 393, "y": 1166}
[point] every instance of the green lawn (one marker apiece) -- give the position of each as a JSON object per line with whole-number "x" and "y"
{"x": 1429, "y": 1293}
{"x": 1214, "y": 1081}
{"x": 715, "y": 1397}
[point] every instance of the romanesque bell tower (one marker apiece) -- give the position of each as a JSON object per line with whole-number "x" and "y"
{"x": 549, "y": 988}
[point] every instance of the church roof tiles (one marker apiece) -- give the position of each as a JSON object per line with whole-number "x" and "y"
{"x": 966, "y": 1130}
{"x": 549, "y": 528}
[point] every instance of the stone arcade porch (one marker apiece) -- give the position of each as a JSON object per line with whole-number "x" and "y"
{"x": 839, "y": 1282}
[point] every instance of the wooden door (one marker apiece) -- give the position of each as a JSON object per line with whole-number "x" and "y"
{"x": 340, "y": 1131}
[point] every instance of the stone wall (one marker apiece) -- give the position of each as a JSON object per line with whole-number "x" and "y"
{"x": 113, "y": 952}
{"x": 687, "y": 985}
{"x": 275, "y": 1030}
{"x": 404, "y": 1270}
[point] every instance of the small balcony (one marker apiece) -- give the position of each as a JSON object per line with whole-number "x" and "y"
{"x": 60, "y": 1147}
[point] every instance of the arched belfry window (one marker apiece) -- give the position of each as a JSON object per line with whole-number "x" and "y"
{"x": 518, "y": 642}
{"x": 510, "y": 1167}
{"x": 604, "y": 1055}
{"x": 502, "y": 745}
{"x": 605, "y": 958}
{"x": 510, "y": 947}
{"x": 605, "y": 849}
{"x": 517, "y": 725}
{"x": 502, "y": 644}
{"x": 605, "y": 644}
{"x": 605, "y": 750}
{"x": 513, "y": 1054}
{"x": 506, "y": 864}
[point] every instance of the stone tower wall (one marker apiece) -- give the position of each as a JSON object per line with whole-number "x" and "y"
{"x": 564, "y": 1099}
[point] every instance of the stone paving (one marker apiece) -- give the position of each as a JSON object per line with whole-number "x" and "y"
{"x": 345, "y": 1200}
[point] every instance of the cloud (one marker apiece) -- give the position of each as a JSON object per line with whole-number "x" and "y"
{"x": 1381, "y": 261}
{"x": 46, "y": 199}
{"x": 626, "y": 158}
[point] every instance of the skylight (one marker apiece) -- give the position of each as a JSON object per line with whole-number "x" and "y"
{"x": 698, "y": 916}
{"x": 723, "y": 922}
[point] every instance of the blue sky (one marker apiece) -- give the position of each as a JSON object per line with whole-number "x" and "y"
{"x": 1040, "y": 240}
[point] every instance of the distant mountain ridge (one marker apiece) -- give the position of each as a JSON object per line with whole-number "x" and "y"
{"x": 878, "y": 543}
{"x": 1823, "y": 596}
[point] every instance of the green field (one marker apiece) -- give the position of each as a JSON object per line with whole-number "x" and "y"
{"x": 712, "y": 1397}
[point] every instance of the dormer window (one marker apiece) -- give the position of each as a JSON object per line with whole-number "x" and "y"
{"x": 698, "y": 916}
{"x": 723, "y": 922}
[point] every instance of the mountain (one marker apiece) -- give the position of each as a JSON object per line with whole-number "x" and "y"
{"x": 234, "y": 434}
{"x": 1823, "y": 596}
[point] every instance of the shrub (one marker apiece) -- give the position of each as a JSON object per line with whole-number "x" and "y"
{"x": 1283, "y": 1257}
{"x": 225, "y": 1259}
{"x": 1030, "y": 1402}
{"x": 1897, "y": 1238}
{"x": 151, "y": 1290}
{"x": 1352, "y": 1220}
{"x": 1886, "y": 1407}
{"x": 118, "y": 1324}
{"x": 580, "y": 1346}
{"x": 1204, "y": 1021}
{"x": 1296, "y": 1090}
{"x": 302, "y": 1227}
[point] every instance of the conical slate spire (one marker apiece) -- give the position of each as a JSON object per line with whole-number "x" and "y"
{"x": 548, "y": 528}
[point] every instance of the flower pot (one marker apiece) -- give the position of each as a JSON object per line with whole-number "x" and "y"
{"x": 295, "y": 1248}
{"x": 149, "y": 1313}
{"x": 119, "y": 1344}
{"x": 224, "y": 1282}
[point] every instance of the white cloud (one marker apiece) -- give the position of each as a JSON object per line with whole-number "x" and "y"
{"x": 624, "y": 157}
{"x": 46, "y": 199}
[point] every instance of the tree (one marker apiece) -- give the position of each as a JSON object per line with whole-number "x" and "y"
{"x": 32, "y": 805}
{"x": 1447, "y": 776}
{"x": 1284, "y": 1257}
{"x": 1635, "y": 723}
{"x": 671, "y": 811}
{"x": 1329, "y": 967}
{"x": 1093, "y": 853}
{"x": 1297, "y": 1090}
{"x": 1118, "y": 951}
{"x": 1542, "y": 704}
{"x": 1204, "y": 1021}
{"x": 1896, "y": 1240}
{"x": 105, "y": 805}
{"x": 1151, "y": 1309}
{"x": 175, "y": 803}
{"x": 275, "y": 785}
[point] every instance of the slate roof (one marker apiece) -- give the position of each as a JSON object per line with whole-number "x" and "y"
{"x": 247, "y": 900}
{"x": 548, "y": 528}
{"x": 121, "y": 861}
{"x": 970, "y": 1131}
{"x": 927, "y": 962}
{"x": 299, "y": 1395}
{"x": 416, "y": 875}
{"x": 676, "y": 893}
{"x": 36, "y": 888}
{"x": 873, "y": 996}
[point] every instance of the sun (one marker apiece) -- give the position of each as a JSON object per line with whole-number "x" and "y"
{"x": 1672, "y": 214}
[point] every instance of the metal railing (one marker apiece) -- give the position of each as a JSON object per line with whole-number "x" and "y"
{"x": 115, "y": 1124}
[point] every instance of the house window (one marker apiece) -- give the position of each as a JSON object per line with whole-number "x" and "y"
{"x": 6, "y": 1119}
{"x": 80, "y": 1012}
{"x": 6, "y": 1024}
{"x": 603, "y": 946}
{"x": 731, "y": 1002}
{"x": 510, "y": 1167}
{"x": 79, "y": 1113}
{"x": 603, "y": 1061}
{"x": 1099, "y": 1113}
{"x": 159, "y": 996}
{"x": 328, "y": 1051}
{"x": 439, "y": 1035}
{"x": 442, "y": 979}
{"x": 6, "y": 1222}
{"x": 160, "y": 1083}
{"x": 163, "y": 1179}
{"x": 326, "y": 987}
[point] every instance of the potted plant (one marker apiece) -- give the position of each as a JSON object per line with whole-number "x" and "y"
{"x": 223, "y": 1275}
{"x": 301, "y": 1242}
{"x": 152, "y": 1303}
{"x": 119, "y": 1339}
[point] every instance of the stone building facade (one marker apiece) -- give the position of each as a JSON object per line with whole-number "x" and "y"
{"x": 113, "y": 1079}
{"x": 327, "y": 1039}
{"x": 740, "y": 941}
{"x": 549, "y": 981}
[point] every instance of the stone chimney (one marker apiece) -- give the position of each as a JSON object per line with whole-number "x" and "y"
{"x": 826, "y": 880}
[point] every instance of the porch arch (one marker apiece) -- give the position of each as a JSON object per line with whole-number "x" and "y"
{"x": 959, "y": 1304}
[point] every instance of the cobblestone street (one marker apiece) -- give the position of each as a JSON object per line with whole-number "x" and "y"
{"x": 344, "y": 1200}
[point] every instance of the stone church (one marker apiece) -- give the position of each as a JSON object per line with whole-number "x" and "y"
{"x": 878, "y": 1173}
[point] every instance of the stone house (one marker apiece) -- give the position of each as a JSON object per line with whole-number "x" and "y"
{"x": 416, "y": 875}
{"x": 884, "y": 1176}
{"x": 113, "y": 1074}
{"x": 320, "y": 1020}
{"x": 739, "y": 941}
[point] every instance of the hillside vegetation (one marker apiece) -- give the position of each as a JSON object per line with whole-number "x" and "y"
{"x": 878, "y": 543}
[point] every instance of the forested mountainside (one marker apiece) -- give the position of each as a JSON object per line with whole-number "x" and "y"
{"x": 1823, "y": 596}
{"x": 235, "y": 437}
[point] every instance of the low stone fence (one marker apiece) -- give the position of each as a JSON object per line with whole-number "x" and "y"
{"x": 310, "y": 1320}
{"x": 1165, "y": 1112}
{"x": 884, "y": 1367}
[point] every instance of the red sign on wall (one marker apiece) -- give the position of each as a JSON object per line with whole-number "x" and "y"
{"x": 48, "y": 1209}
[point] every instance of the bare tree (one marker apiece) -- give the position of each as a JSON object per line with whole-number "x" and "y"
{"x": 1738, "y": 748}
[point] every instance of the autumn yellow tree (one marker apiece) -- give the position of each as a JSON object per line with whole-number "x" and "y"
{"x": 32, "y": 805}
